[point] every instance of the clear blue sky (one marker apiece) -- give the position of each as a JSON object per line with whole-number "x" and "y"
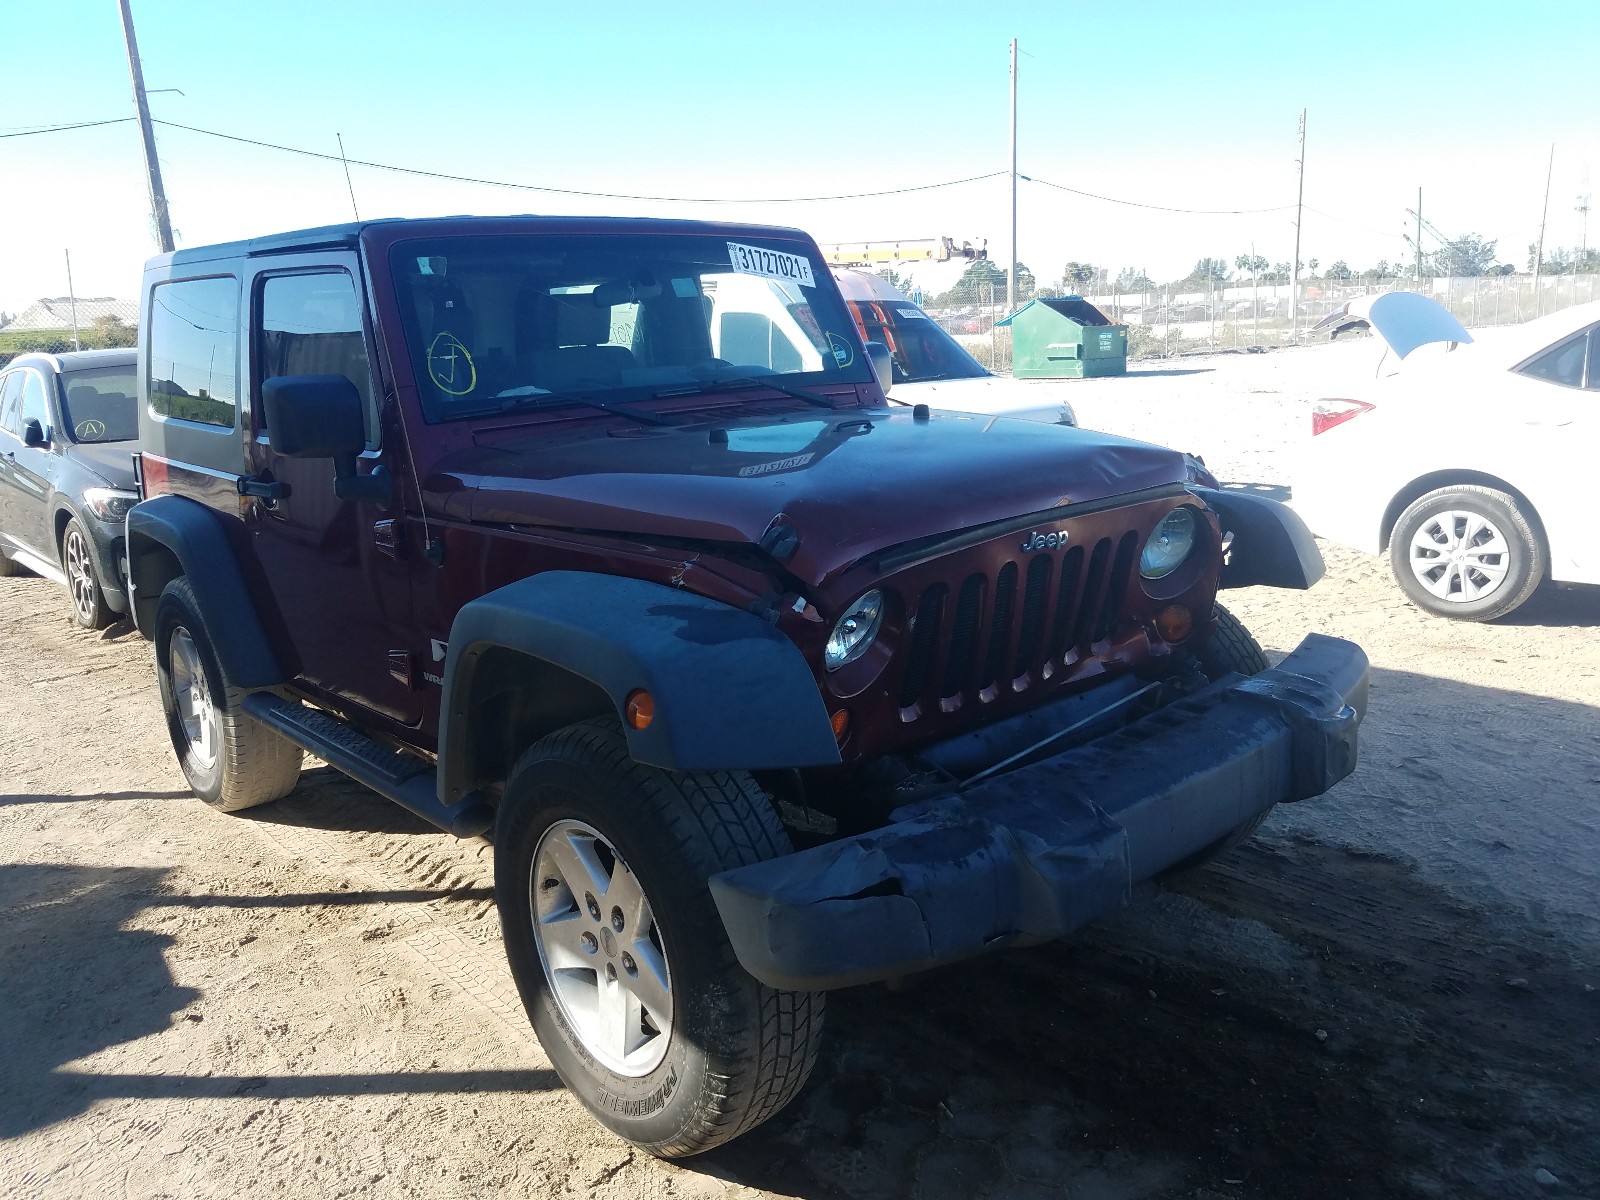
{"x": 1189, "y": 105}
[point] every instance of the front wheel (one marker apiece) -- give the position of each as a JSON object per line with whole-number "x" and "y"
{"x": 618, "y": 951}
{"x": 1466, "y": 552}
{"x": 88, "y": 597}
{"x": 1231, "y": 650}
{"x": 230, "y": 759}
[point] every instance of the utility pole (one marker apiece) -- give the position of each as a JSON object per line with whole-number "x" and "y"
{"x": 1299, "y": 203}
{"x": 1538, "y": 255}
{"x": 1582, "y": 209}
{"x": 72, "y": 298}
{"x": 1419, "y": 239}
{"x": 1255, "y": 297}
{"x": 1010, "y": 271}
{"x": 152, "y": 165}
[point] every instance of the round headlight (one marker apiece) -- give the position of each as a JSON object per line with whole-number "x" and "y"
{"x": 1169, "y": 545}
{"x": 854, "y": 631}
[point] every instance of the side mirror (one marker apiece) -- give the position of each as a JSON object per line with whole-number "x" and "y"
{"x": 882, "y": 364}
{"x": 319, "y": 416}
{"x": 32, "y": 432}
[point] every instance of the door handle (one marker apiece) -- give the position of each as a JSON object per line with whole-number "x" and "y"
{"x": 262, "y": 489}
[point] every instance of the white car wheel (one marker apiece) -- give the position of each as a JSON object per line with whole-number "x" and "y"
{"x": 1467, "y": 552}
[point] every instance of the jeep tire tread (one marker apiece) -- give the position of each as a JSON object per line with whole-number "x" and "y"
{"x": 1232, "y": 649}
{"x": 736, "y": 1051}
{"x": 249, "y": 763}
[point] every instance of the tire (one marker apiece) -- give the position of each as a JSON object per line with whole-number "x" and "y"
{"x": 706, "y": 1055}
{"x": 89, "y": 607}
{"x": 1467, "y": 552}
{"x": 1232, "y": 649}
{"x": 232, "y": 761}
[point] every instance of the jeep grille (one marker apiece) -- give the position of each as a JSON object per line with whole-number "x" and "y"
{"x": 970, "y": 640}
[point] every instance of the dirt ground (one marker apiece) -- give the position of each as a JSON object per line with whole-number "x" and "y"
{"x": 1390, "y": 992}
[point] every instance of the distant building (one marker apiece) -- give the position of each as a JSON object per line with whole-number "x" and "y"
{"x": 54, "y": 315}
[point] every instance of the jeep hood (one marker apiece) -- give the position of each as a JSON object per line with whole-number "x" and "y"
{"x": 847, "y": 483}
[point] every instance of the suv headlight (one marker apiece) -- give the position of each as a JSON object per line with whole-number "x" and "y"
{"x": 1169, "y": 545}
{"x": 109, "y": 504}
{"x": 854, "y": 631}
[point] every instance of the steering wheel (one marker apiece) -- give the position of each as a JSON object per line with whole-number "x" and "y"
{"x": 88, "y": 429}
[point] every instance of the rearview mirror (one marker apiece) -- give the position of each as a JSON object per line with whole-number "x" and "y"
{"x": 32, "y": 432}
{"x": 882, "y": 364}
{"x": 320, "y": 416}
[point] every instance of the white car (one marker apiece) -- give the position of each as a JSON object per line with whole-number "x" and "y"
{"x": 1469, "y": 465}
{"x": 931, "y": 368}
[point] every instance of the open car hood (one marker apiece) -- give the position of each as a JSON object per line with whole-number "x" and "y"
{"x": 1404, "y": 320}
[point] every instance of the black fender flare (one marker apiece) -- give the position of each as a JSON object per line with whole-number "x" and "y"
{"x": 731, "y": 692}
{"x": 192, "y": 537}
{"x": 1271, "y": 545}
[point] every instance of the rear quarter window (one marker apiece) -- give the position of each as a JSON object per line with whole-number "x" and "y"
{"x": 193, "y": 360}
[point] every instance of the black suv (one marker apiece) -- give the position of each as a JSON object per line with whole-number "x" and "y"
{"x": 68, "y": 430}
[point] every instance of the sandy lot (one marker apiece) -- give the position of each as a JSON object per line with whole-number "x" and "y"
{"x": 1390, "y": 992}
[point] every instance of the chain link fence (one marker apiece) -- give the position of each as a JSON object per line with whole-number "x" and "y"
{"x": 1162, "y": 324}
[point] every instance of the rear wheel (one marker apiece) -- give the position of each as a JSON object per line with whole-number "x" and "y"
{"x": 89, "y": 605}
{"x": 1467, "y": 552}
{"x": 231, "y": 760}
{"x": 618, "y": 950}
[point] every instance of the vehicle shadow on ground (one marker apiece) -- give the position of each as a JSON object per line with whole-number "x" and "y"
{"x": 35, "y": 798}
{"x": 329, "y": 799}
{"x": 1147, "y": 372}
{"x": 119, "y": 989}
{"x": 1299, "y": 1019}
{"x": 1558, "y": 606}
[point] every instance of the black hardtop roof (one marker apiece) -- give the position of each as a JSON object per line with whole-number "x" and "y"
{"x": 350, "y": 233}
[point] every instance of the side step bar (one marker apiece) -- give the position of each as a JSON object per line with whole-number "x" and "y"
{"x": 408, "y": 782}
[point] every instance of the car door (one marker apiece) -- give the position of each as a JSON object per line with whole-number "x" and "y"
{"x": 1554, "y": 415}
{"x": 10, "y": 439}
{"x": 332, "y": 565}
{"x": 32, "y": 469}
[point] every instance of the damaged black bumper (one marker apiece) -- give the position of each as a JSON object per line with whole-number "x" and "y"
{"x": 1047, "y": 848}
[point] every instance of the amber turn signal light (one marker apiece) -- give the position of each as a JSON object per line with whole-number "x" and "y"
{"x": 1174, "y": 623}
{"x": 640, "y": 709}
{"x": 841, "y": 724}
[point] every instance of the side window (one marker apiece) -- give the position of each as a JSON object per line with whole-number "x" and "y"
{"x": 1562, "y": 363}
{"x": 34, "y": 405}
{"x": 11, "y": 403}
{"x": 311, "y": 325}
{"x": 193, "y": 350}
{"x": 1592, "y": 382}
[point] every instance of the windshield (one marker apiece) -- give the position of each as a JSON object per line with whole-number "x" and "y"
{"x": 920, "y": 350}
{"x": 499, "y": 322}
{"x": 99, "y": 405}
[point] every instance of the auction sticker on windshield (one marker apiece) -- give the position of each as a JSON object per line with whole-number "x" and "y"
{"x": 772, "y": 264}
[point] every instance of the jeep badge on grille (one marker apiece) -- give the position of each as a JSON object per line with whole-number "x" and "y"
{"x": 1044, "y": 541}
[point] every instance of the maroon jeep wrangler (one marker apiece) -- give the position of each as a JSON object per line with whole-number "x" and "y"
{"x": 604, "y": 537}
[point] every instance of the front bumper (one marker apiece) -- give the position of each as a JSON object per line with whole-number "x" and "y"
{"x": 1039, "y": 852}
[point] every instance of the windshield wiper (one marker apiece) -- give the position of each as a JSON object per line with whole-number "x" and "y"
{"x": 746, "y": 381}
{"x": 557, "y": 399}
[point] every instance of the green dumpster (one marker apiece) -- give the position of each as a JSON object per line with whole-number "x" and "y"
{"x": 1065, "y": 337}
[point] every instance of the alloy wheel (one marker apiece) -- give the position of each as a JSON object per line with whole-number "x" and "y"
{"x": 602, "y": 954}
{"x": 80, "y": 576}
{"x": 197, "y": 711}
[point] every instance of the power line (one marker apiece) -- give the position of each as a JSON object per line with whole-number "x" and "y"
{"x": 64, "y": 128}
{"x": 561, "y": 191}
{"x": 1204, "y": 212}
